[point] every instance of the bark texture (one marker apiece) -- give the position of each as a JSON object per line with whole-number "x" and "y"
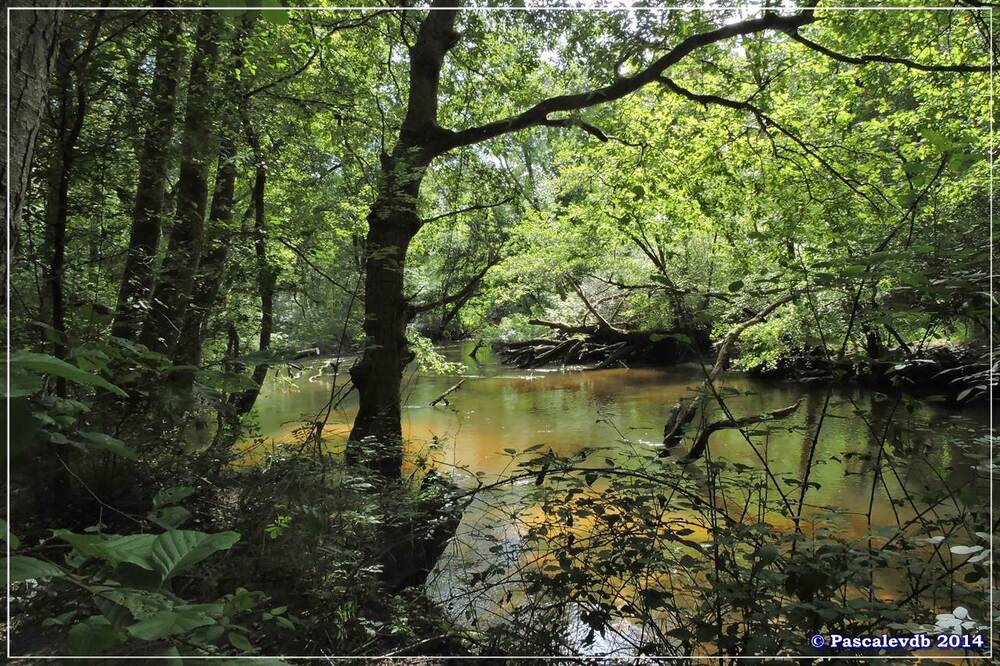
{"x": 32, "y": 51}
{"x": 144, "y": 240}
{"x": 175, "y": 286}
{"x": 392, "y": 223}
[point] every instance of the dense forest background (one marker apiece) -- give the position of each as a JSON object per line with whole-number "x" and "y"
{"x": 202, "y": 201}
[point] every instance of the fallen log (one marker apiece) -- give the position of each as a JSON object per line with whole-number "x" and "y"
{"x": 701, "y": 443}
{"x": 602, "y": 346}
{"x": 445, "y": 395}
{"x": 683, "y": 413}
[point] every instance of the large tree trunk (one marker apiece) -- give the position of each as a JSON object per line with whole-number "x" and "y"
{"x": 175, "y": 286}
{"x": 32, "y": 51}
{"x": 376, "y": 438}
{"x": 137, "y": 276}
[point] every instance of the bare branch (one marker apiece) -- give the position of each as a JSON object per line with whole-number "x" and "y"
{"x": 468, "y": 209}
{"x": 701, "y": 443}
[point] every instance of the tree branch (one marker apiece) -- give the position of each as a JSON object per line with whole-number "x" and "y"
{"x": 765, "y": 122}
{"x": 539, "y": 113}
{"x": 701, "y": 443}
{"x": 867, "y": 59}
{"x": 468, "y": 209}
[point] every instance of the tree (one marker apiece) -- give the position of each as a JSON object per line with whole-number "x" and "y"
{"x": 175, "y": 285}
{"x": 394, "y": 220}
{"x": 144, "y": 241}
{"x": 32, "y": 47}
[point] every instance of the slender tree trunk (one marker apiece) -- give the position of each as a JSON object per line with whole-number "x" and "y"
{"x": 267, "y": 276}
{"x": 137, "y": 276}
{"x": 72, "y": 109}
{"x": 32, "y": 50}
{"x": 175, "y": 286}
{"x": 213, "y": 262}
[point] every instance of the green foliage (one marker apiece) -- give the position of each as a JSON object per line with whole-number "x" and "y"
{"x": 428, "y": 360}
{"x": 128, "y": 599}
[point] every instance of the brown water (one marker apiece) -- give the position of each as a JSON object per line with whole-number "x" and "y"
{"x": 500, "y": 407}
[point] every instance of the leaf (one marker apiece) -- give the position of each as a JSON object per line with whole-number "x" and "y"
{"x": 172, "y": 495}
{"x": 141, "y": 604}
{"x": 277, "y": 17}
{"x": 240, "y": 642}
{"x": 134, "y": 548}
{"x": 167, "y": 623}
{"x": 94, "y": 636}
{"x": 8, "y": 535}
{"x": 170, "y": 517}
{"x": 22, "y": 383}
{"x": 175, "y": 551}
{"x": 109, "y": 444}
{"x": 50, "y": 365}
{"x": 28, "y": 568}
{"x": 966, "y": 550}
{"x": 735, "y": 285}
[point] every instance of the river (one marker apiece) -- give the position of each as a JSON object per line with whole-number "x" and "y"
{"x": 501, "y": 409}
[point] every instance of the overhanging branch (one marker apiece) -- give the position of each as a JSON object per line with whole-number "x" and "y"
{"x": 892, "y": 60}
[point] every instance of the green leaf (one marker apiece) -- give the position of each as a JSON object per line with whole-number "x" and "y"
{"x": 278, "y": 17}
{"x": 167, "y": 623}
{"x": 133, "y": 548}
{"x": 735, "y": 285}
{"x": 170, "y": 517}
{"x": 50, "y": 365}
{"x": 22, "y": 383}
{"x": 94, "y": 636}
{"x": 108, "y": 443}
{"x": 28, "y": 568}
{"x": 175, "y": 551}
{"x": 172, "y": 495}
{"x": 240, "y": 642}
{"x": 8, "y": 535}
{"x": 141, "y": 604}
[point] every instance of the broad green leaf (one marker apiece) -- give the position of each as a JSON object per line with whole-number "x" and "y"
{"x": 28, "y": 568}
{"x": 141, "y": 604}
{"x": 134, "y": 548}
{"x": 108, "y": 443}
{"x": 240, "y": 642}
{"x": 172, "y": 495}
{"x": 52, "y": 366}
{"x": 8, "y": 535}
{"x": 175, "y": 551}
{"x": 170, "y": 517}
{"x": 167, "y": 623}
{"x": 94, "y": 636}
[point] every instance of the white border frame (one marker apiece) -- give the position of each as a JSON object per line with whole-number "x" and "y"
{"x": 584, "y": 8}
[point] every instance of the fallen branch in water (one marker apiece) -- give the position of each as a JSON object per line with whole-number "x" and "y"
{"x": 682, "y": 413}
{"x": 444, "y": 395}
{"x": 701, "y": 443}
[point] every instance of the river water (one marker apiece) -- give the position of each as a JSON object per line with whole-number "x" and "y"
{"x": 500, "y": 409}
